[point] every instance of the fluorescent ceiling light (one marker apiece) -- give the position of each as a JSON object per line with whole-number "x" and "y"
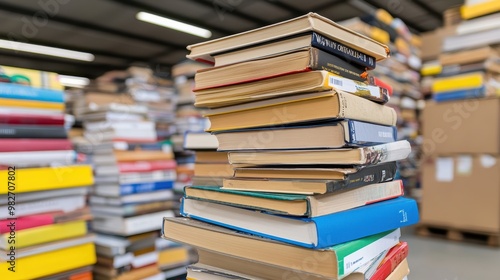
{"x": 73, "y": 81}
{"x": 38, "y": 49}
{"x": 173, "y": 24}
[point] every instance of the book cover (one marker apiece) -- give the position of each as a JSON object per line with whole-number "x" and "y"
{"x": 27, "y": 118}
{"x": 394, "y": 257}
{"x": 26, "y": 222}
{"x": 9, "y": 102}
{"x": 31, "y": 77}
{"x": 137, "y": 188}
{"x": 46, "y": 178}
{"x": 27, "y": 145}
{"x": 460, "y": 94}
{"x": 318, "y": 232}
{"x": 32, "y": 131}
{"x": 146, "y": 166}
{"x": 17, "y": 91}
{"x": 38, "y": 158}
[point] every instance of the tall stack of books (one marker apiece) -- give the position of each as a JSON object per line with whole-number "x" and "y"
{"x": 402, "y": 74}
{"x": 43, "y": 221}
{"x": 135, "y": 172}
{"x": 314, "y": 157}
{"x": 461, "y": 133}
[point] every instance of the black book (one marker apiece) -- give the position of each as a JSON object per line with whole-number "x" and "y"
{"x": 32, "y": 131}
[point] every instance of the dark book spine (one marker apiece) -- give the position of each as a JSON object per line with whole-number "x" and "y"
{"x": 365, "y": 176}
{"x": 363, "y": 133}
{"x": 347, "y": 53}
{"x": 32, "y": 132}
{"x": 321, "y": 60}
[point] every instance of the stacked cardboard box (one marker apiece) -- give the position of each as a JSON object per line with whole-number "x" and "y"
{"x": 461, "y": 133}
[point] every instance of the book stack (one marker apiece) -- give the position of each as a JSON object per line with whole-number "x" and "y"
{"x": 402, "y": 74}
{"x": 313, "y": 150}
{"x": 43, "y": 222}
{"x": 188, "y": 120}
{"x": 459, "y": 150}
{"x": 135, "y": 172}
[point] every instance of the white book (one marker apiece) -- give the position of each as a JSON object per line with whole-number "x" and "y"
{"x": 200, "y": 141}
{"x": 64, "y": 204}
{"x": 479, "y": 24}
{"x": 145, "y": 259}
{"x": 133, "y": 198}
{"x": 131, "y": 225}
{"x": 472, "y": 40}
{"x": 41, "y": 195}
{"x": 117, "y": 126}
{"x": 145, "y": 177}
{"x": 38, "y": 158}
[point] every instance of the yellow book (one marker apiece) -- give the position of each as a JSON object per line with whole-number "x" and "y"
{"x": 46, "y": 178}
{"x": 384, "y": 16}
{"x": 8, "y": 102}
{"x": 172, "y": 257}
{"x": 431, "y": 69}
{"x": 465, "y": 81}
{"x": 49, "y": 263}
{"x": 473, "y": 11}
{"x": 43, "y": 234}
{"x": 31, "y": 77}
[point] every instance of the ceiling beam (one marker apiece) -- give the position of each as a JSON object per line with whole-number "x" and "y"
{"x": 233, "y": 10}
{"x": 90, "y": 26}
{"x": 162, "y": 12}
{"x": 298, "y": 12}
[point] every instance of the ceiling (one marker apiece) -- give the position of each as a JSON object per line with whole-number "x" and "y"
{"x": 109, "y": 30}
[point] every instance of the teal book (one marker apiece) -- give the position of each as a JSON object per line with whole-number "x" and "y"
{"x": 297, "y": 204}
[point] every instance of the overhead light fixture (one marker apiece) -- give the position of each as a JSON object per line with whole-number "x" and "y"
{"x": 174, "y": 24}
{"x": 51, "y": 51}
{"x": 73, "y": 81}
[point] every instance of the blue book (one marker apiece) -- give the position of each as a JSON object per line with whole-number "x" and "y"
{"x": 16, "y": 91}
{"x": 460, "y": 94}
{"x": 145, "y": 187}
{"x": 332, "y": 134}
{"x": 318, "y": 232}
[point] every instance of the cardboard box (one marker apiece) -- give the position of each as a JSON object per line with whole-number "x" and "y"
{"x": 462, "y": 127}
{"x": 433, "y": 42}
{"x": 462, "y": 192}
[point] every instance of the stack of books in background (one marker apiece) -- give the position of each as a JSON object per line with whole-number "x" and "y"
{"x": 135, "y": 173}
{"x": 188, "y": 119}
{"x": 402, "y": 73}
{"x": 461, "y": 132}
{"x": 313, "y": 151}
{"x": 43, "y": 222}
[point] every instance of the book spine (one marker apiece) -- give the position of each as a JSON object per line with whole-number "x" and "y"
{"x": 31, "y": 119}
{"x": 347, "y": 53}
{"x": 460, "y": 94}
{"x": 26, "y": 222}
{"x": 23, "y": 92}
{"x": 365, "y": 221}
{"x": 321, "y": 60}
{"x": 32, "y": 132}
{"x": 373, "y": 93}
{"x": 145, "y": 187}
{"x": 365, "y": 176}
{"x": 362, "y": 133}
{"x": 357, "y": 108}
{"x": 20, "y": 145}
{"x": 395, "y": 256}
{"x": 146, "y": 166}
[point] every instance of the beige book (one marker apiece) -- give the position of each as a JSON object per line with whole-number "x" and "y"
{"x": 468, "y": 56}
{"x": 310, "y": 22}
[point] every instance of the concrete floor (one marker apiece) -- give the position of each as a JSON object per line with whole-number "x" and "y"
{"x": 438, "y": 259}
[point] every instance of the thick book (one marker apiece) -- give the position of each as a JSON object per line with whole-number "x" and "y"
{"x": 210, "y": 157}
{"x": 394, "y": 257}
{"x": 310, "y": 22}
{"x": 135, "y": 188}
{"x": 28, "y": 145}
{"x": 356, "y": 156}
{"x": 200, "y": 141}
{"x": 468, "y": 56}
{"x": 317, "y": 232}
{"x": 132, "y": 198}
{"x": 351, "y": 176}
{"x": 460, "y": 94}
{"x": 126, "y": 226}
{"x": 400, "y": 272}
{"x": 479, "y": 9}
{"x": 52, "y": 262}
{"x": 466, "y": 81}
{"x": 286, "y": 85}
{"x": 17, "y": 91}
{"x": 49, "y": 178}
{"x": 309, "y": 107}
{"x": 339, "y": 134}
{"x": 472, "y": 40}
{"x": 38, "y": 158}
{"x": 292, "y": 43}
{"x": 295, "y": 204}
{"x": 43, "y": 234}
{"x": 332, "y": 262}
{"x": 274, "y": 66}
{"x": 32, "y": 131}
{"x": 13, "y": 118}
{"x": 22, "y": 103}
{"x": 146, "y": 166}
{"x": 213, "y": 170}
{"x": 379, "y": 173}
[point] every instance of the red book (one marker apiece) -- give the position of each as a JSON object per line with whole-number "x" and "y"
{"x": 27, "y": 145}
{"x": 146, "y": 166}
{"x": 32, "y": 119}
{"x": 377, "y": 82}
{"x": 26, "y": 222}
{"x": 393, "y": 258}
